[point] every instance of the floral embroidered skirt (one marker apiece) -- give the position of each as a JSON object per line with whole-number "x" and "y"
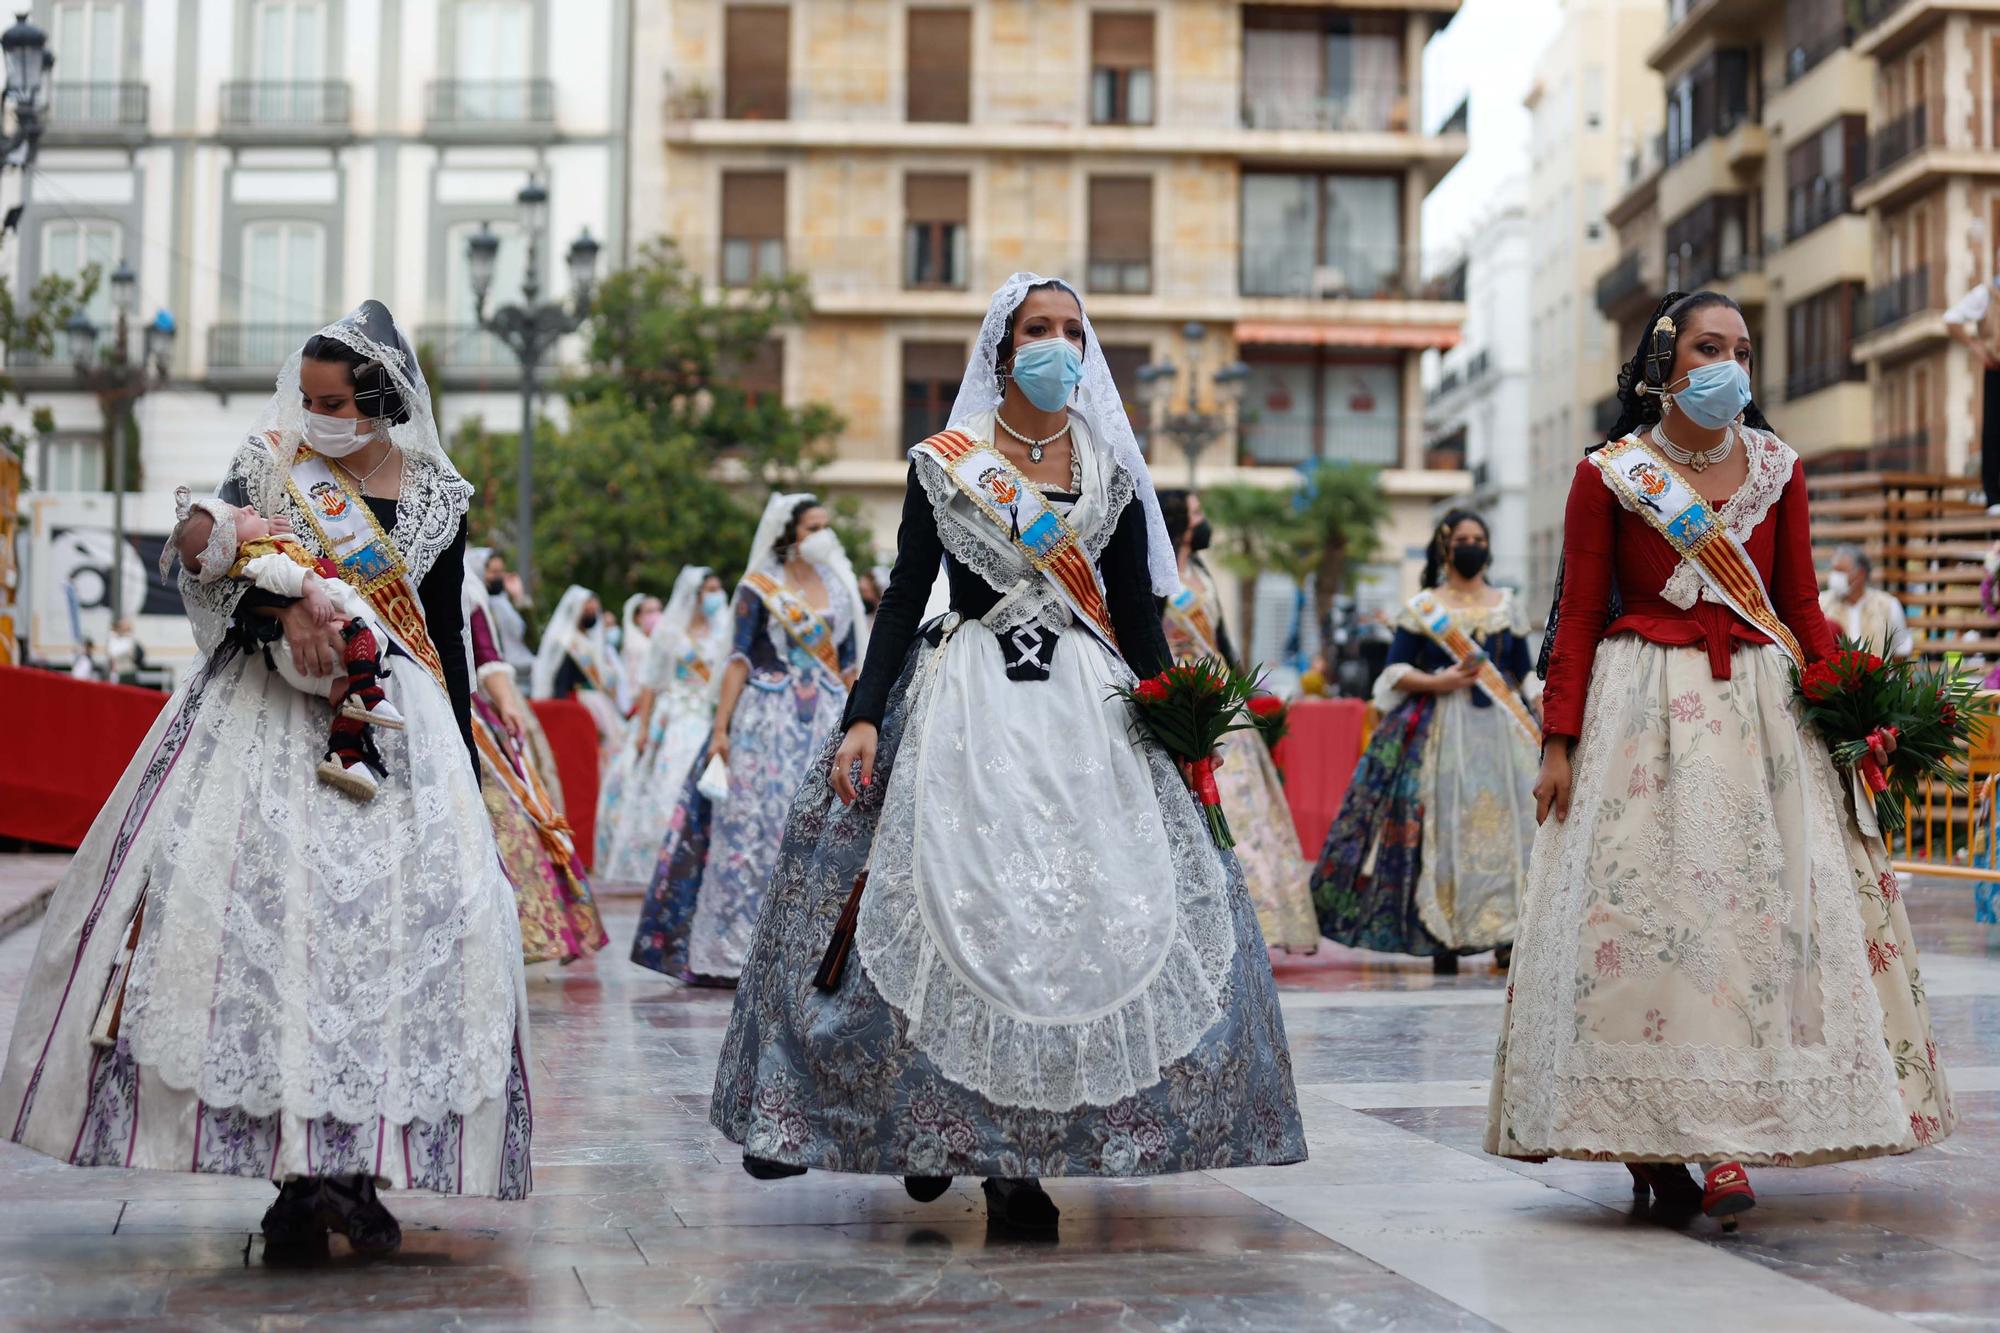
{"x": 559, "y": 918}
{"x": 1267, "y": 843}
{"x": 641, "y": 790}
{"x": 708, "y": 886}
{"x": 220, "y": 799}
{"x": 830, "y": 1079}
{"x": 1430, "y": 849}
{"x": 1712, "y": 962}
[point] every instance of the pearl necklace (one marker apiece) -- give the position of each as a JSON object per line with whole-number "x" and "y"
{"x": 1035, "y": 447}
{"x": 1701, "y": 460}
{"x": 362, "y": 481}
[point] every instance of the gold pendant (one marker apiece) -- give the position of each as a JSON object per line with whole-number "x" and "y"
{"x": 1699, "y": 462}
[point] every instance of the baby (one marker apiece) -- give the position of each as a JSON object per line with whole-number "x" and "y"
{"x": 217, "y": 540}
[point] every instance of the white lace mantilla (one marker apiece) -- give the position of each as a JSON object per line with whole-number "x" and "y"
{"x": 1771, "y": 462}
{"x": 1044, "y": 906}
{"x": 972, "y": 539}
{"x": 428, "y": 511}
{"x": 307, "y": 952}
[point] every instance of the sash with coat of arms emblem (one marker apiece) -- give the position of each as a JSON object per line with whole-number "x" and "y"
{"x": 364, "y": 553}
{"x": 1646, "y": 486}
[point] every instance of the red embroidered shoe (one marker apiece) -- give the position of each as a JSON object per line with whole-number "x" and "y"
{"x": 1728, "y": 1194}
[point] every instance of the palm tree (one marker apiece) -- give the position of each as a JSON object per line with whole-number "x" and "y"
{"x": 1342, "y": 509}
{"x": 1320, "y": 531}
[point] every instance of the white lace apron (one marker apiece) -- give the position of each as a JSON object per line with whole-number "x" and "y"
{"x": 1043, "y": 905}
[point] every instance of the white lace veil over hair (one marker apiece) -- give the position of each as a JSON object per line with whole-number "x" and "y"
{"x": 764, "y": 559}
{"x": 1097, "y": 401}
{"x": 372, "y": 332}
{"x": 557, "y": 636}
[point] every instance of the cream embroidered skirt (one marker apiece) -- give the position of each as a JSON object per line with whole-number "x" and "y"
{"x": 1712, "y": 963}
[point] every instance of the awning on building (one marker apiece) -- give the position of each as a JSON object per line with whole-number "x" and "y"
{"x": 1412, "y": 336}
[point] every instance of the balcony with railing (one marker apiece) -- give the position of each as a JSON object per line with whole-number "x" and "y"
{"x": 467, "y": 354}
{"x": 1898, "y": 299}
{"x": 1700, "y": 268}
{"x": 1290, "y": 443}
{"x": 1868, "y": 13}
{"x": 87, "y": 113}
{"x": 1621, "y": 283}
{"x": 1802, "y": 381}
{"x": 237, "y": 350}
{"x": 1811, "y": 206}
{"x": 1355, "y": 272}
{"x": 504, "y": 110}
{"x": 1899, "y": 138}
{"x": 287, "y": 112}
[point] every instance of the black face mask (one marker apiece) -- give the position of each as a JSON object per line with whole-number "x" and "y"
{"x": 1200, "y": 536}
{"x": 1468, "y": 558}
{"x": 494, "y": 587}
{"x": 587, "y": 621}
{"x": 869, "y": 604}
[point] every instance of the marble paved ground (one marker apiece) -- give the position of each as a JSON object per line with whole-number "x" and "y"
{"x": 641, "y": 1217}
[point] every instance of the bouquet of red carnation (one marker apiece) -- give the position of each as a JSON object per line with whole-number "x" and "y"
{"x": 1188, "y": 710}
{"x": 1273, "y": 718}
{"x": 1860, "y": 704}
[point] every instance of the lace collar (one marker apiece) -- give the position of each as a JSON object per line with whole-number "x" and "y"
{"x": 1771, "y": 462}
{"x": 1478, "y": 621}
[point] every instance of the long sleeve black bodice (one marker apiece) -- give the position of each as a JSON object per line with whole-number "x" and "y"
{"x": 444, "y": 614}
{"x": 1128, "y": 593}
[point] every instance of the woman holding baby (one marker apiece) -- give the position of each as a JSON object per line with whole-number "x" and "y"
{"x": 247, "y": 969}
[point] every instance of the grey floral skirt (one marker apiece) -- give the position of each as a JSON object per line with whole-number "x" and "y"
{"x": 828, "y": 1080}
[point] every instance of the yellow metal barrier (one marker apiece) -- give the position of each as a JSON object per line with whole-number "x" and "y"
{"x": 1950, "y": 830}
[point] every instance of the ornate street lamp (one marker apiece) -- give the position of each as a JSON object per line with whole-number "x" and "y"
{"x": 119, "y": 382}
{"x": 28, "y": 59}
{"x": 530, "y": 330}
{"x": 1190, "y": 424}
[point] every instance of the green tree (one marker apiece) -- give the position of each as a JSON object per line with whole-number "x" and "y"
{"x": 1320, "y": 531}
{"x": 28, "y": 326}
{"x": 1342, "y": 508}
{"x": 667, "y": 457}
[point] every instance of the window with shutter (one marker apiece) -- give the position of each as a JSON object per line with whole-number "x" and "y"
{"x": 1121, "y": 234}
{"x": 756, "y": 62}
{"x": 931, "y": 375}
{"x": 1125, "y": 359}
{"x": 940, "y": 65}
{"x": 935, "y": 209}
{"x": 753, "y": 226}
{"x": 1121, "y": 68}
{"x": 763, "y": 375}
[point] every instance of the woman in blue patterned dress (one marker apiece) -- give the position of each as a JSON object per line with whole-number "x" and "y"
{"x": 797, "y": 618}
{"x": 1430, "y": 849}
{"x": 1054, "y": 970}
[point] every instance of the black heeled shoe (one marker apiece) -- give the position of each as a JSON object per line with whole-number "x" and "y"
{"x": 1021, "y": 1206}
{"x": 1444, "y": 964}
{"x": 293, "y": 1233}
{"x": 350, "y": 1206}
{"x": 924, "y": 1189}
{"x": 763, "y": 1168}
{"x": 1674, "y": 1191}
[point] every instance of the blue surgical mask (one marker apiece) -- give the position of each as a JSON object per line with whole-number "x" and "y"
{"x": 713, "y": 602}
{"x": 1048, "y": 371}
{"x": 1716, "y": 394}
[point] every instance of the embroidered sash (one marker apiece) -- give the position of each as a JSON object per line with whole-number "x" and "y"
{"x": 1648, "y": 487}
{"x": 525, "y": 785}
{"x": 697, "y": 666}
{"x": 365, "y": 554}
{"x": 806, "y": 627}
{"x": 1436, "y": 621}
{"x": 1042, "y": 536}
{"x": 585, "y": 657}
{"x": 1189, "y": 612}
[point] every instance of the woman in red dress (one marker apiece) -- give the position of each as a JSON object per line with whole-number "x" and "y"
{"x": 1713, "y": 964}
